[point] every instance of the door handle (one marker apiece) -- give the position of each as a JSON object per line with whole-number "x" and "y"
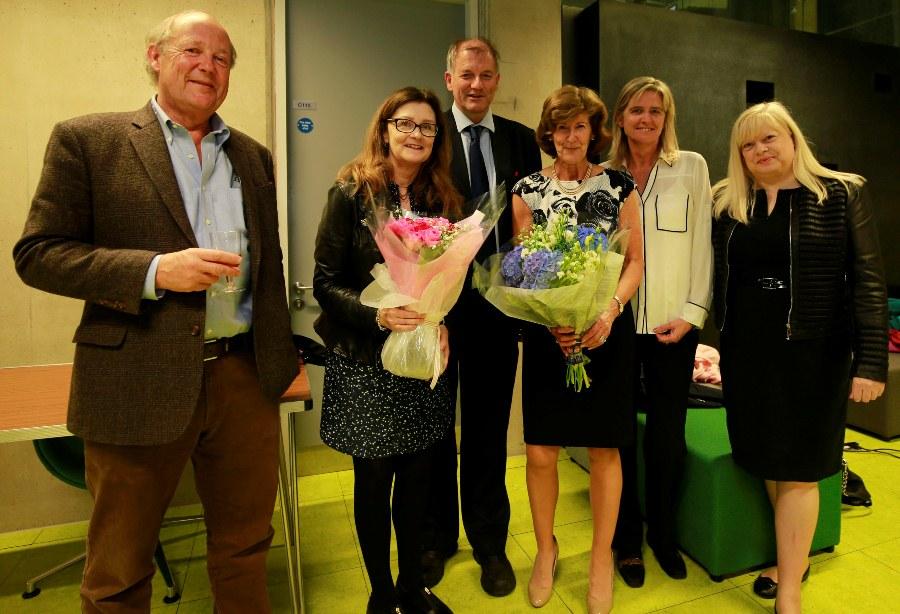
{"x": 299, "y": 289}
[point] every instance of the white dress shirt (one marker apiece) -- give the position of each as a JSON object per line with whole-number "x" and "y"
{"x": 676, "y": 218}
{"x": 463, "y": 122}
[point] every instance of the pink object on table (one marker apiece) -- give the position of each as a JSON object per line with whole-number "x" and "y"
{"x": 706, "y": 365}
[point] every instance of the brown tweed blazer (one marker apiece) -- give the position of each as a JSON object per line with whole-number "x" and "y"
{"x": 106, "y": 204}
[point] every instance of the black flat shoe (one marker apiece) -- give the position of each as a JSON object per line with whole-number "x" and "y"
{"x": 631, "y": 568}
{"x": 421, "y": 601}
{"x": 497, "y": 577}
{"x": 433, "y": 562}
{"x": 378, "y": 606}
{"x": 767, "y": 588}
{"x": 671, "y": 563}
{"x": 389, "y": 609}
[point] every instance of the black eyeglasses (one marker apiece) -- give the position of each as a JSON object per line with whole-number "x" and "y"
{"x": 407, "y": 125}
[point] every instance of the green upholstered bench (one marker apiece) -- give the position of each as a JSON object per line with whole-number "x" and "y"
{"x": 725, "y": 522}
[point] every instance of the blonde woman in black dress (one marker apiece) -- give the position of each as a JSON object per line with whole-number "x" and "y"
{"x": 801, "y": 303}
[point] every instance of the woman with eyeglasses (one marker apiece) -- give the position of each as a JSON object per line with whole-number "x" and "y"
{"x": 388, "y": 424}
{"x": 801, "y": 303}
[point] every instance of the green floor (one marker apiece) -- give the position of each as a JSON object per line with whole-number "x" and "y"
{"x": 862, "y": 574}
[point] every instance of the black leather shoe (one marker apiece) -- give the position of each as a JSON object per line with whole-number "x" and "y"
{"x": 767, "y": 588}
{"x": 433, "y": 565}
{"x": 631, "y": 568}
{"x": 384, "y": 609}
{"x": 379, "y": 606}
{"x": 671, "y": 563}
{"x": 421, "y": 601}
{"x": 497, "y": 577}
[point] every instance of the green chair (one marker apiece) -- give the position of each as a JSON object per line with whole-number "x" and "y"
{"x": 64, "y": 459}
{"x": 725, "y": 521}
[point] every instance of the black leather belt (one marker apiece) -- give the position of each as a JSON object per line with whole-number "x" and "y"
{"x": 771, "y": 283}
{"x": 216, "y": 348}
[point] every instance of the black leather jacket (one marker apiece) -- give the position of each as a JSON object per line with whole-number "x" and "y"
{"x": 837, "y": 276}
{"x": 345, "y": 254}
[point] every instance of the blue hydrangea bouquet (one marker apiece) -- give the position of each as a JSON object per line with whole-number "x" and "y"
{"x": 557, "y": 275}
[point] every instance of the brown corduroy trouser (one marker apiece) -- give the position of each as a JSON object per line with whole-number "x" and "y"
{"x": 232, "y": 441}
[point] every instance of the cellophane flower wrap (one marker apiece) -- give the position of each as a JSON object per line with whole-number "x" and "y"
{"x": 559, "y": 274}
{"x": 425, "y": 265}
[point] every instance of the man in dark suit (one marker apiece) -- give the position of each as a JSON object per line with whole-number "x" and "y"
{"x": 488, "y": 150}
{"x": 168, "y": 365}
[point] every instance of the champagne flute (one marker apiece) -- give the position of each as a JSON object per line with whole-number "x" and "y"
{"x": 228, "y": 241}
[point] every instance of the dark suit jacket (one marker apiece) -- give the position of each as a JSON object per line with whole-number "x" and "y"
{"x": 516, "y": 155}
{"x": 107, "y": 203}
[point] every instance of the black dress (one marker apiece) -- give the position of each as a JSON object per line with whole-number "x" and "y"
{"x": 786, "y": 399}
{"x": 552, "y": 413}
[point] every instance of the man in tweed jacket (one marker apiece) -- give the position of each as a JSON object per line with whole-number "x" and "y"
{"x": 167, "y": 366}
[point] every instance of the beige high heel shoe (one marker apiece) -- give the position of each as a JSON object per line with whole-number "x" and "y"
{"x": 539, "y": 594}
{"x": 597, "y": 605}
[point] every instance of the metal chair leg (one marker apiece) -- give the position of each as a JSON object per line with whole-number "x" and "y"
{"x": 172, "y": 594}
{"x": 31, "y": 588}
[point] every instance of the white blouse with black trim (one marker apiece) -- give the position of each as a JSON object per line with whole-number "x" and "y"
{"x": 676, "y": 218}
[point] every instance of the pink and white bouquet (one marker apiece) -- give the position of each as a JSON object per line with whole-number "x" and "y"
{"x": 425, "y": 265}
{"x": 428, "y": 236}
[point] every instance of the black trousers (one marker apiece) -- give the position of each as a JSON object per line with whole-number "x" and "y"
{"x": 484, "y": 352}
{"x": 667, "y": 373}
{"x": 409, "y": 474}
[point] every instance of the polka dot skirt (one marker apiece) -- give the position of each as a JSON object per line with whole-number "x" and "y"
{"x": 371, "y": 413}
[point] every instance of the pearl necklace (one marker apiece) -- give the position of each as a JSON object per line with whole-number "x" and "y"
{"x": 576, "y": 189}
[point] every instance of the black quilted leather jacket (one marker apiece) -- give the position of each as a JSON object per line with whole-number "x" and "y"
{"x": 837, "y": 276}
{"x": 345, "y": 254}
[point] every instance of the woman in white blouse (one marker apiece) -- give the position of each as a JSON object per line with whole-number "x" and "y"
{"x": 669, "y": 308}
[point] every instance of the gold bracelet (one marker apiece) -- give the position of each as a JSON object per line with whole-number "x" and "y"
{"x": 381, "y": 326}
{"x": 619, "y": 303}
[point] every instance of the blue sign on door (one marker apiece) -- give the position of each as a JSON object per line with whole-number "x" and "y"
{"x": 305, "y": 125}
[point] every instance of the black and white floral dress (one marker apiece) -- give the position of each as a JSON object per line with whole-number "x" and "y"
{"x": 554, "y": 414}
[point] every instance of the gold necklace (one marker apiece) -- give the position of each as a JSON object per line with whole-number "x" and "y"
{"x": 577, "y": 188}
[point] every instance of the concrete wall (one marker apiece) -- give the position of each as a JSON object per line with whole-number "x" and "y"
{"x": 827, "y": 82}
{"x": 63, "y": 59}
{"x": 527, "y": 33}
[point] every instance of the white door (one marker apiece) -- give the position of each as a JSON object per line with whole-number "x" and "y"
{"x": 343, "y": 58}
